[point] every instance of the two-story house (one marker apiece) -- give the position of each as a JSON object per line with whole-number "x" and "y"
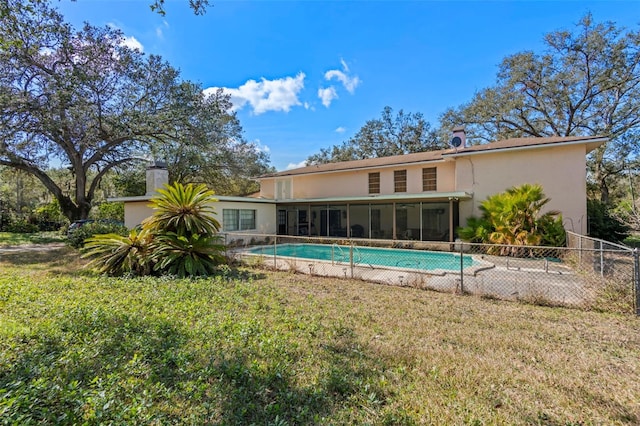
{"x": 422, "y": 196}
{"x": 425, "y": 195}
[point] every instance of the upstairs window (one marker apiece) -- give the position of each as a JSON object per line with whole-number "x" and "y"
{"x": 374, "y": 183}
{"x": 429, "y": 179}
{"x": 283, "y": 189}
{"x": 400, "y": 181}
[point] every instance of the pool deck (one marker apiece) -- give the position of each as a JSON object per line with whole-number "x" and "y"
{"x": 491, "y": 276}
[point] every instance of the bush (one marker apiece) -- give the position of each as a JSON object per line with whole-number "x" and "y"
{"x": 78, "y": 236}
{"x": 603, "y": 225}
{"x": 21, "y": 226}
{"x": 48, "y": 217}
{"x": 110, "y": 210}
{"x": 515, "y": 217}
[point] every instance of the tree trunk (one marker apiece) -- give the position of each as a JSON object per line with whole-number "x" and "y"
{"x": 599, "y": 174}
{"x": 72, "y": 210}
{"x": 604, "y": 191}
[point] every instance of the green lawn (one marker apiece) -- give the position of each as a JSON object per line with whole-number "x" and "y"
{"x": 15, "y": 239}
{"x": 252, "y": 346}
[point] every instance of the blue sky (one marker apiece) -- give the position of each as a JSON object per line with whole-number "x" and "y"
{"x": 307, "y": 75}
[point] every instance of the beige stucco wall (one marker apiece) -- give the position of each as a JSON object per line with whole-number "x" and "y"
{"x": 356, "y": 183}
{"x": 560, "y": 170}
{"x": 136, "y": 211}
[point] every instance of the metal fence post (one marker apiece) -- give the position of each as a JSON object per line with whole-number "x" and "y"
{"x": 461, "y": 268}
{"x": 275, "y": 253}
{"x": 351, "y": 258}
{"x": 601, "y": 260}
{"x": 580, "y": 250}
{"x": 636, "y": 279}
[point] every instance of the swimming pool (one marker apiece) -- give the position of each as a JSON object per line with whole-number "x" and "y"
{"x": 399, "y": 258}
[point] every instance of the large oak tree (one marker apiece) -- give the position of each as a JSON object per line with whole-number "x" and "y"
{"x": 388, "y": 135}
{"x": 83, "y": 100}
{"x": 586, "y": 82}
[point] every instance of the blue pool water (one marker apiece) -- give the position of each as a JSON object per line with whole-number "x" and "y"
{"x": 401, "y": 258}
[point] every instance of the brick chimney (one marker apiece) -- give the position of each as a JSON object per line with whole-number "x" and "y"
{"x": 157, "y": 176}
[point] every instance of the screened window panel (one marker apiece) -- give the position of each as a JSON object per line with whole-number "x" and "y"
{"x": 400, "y": 180}
{"x": 374, "y": 183}
{"x": 429, "y": 179}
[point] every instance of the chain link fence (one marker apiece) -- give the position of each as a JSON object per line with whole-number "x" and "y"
{"x": 588, "y": 273}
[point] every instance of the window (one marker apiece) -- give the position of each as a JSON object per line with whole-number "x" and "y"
{"x": 429, "y": 179}
{"x": 374, "y": 183}
{"x": 400, "y": 181}
{"x": 238, "y": 219}
{"x": 283, "y": 189}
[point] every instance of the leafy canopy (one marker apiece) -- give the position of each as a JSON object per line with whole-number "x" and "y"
{"x": 83, "y": 99}
{"x": 585, "y": 82}
{"x": 388, "y": 135}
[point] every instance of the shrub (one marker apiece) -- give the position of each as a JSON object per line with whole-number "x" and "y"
{"x": 185, "y": 210}
{"x": 78, "y": 236}
{"x": 110, "y": 210}
{"x": 515, "y": 218}
{"x": 22, "y": 226}
{"x": 553, "y": 233}
{"x": 49, "y": 217}
{"x": 603, "y": 225}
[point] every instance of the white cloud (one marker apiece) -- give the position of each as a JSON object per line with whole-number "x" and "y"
{"x": 341, "y": 130}
{"x": 160, "y": 30}
{"x": 260, "y": 147}
{"x": 266, "y": 95}
{"x": 344, "y": 65}
{"x": 291, "y": 166}
{"x": 349, "y": 82}
{"x": 327, "y": 95}
{"x": 132, "y": 43}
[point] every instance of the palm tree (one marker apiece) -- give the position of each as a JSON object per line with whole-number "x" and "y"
{"x": 184, "y": 209}
{"x": 181, "y": 238}
{"x": 514, "y": 218}
{"x": 115, "y": 254}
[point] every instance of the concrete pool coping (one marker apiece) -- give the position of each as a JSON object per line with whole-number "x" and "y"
{"x": 480, "y": 263}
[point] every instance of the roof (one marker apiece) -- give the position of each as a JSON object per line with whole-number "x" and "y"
{"x": 591, "y": 142}
{"x": 143, "y": 198}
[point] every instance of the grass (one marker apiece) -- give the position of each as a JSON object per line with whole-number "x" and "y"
{"x": 16, "y": 239}
{"x": 258, "y": 347}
